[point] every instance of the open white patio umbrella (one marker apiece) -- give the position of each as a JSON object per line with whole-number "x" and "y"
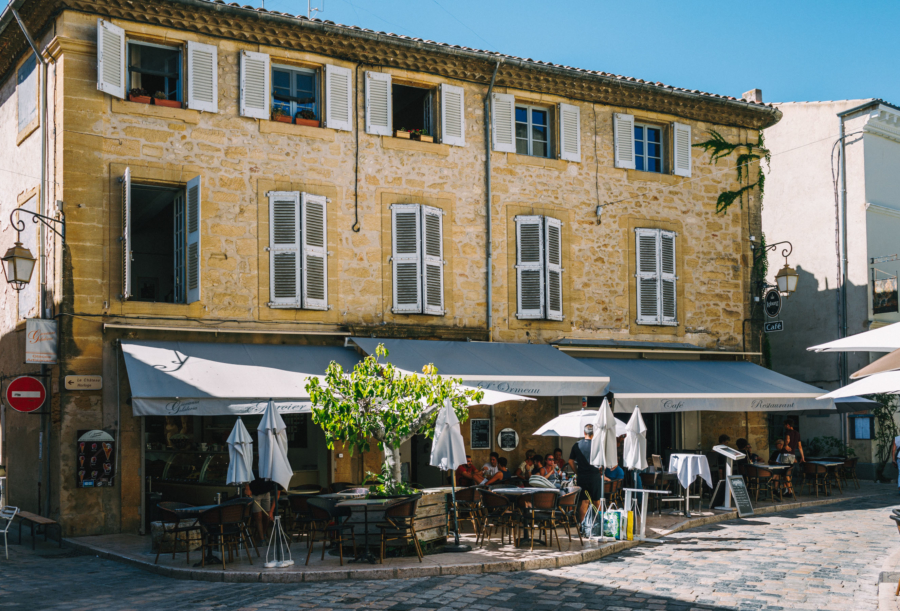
{"x": 274, "y": 465}
{"x": 447, "y": 453}
{"x": 603, "y": 449}
{"x": 240, "y": 455}
{"x": 572, "y": 424}
{"x": 887, "y": 382}
{"x": 635, "y": 451}
{"x": 884, "y": 339}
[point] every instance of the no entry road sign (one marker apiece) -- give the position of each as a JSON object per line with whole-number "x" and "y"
{"x": 25, "y": 394}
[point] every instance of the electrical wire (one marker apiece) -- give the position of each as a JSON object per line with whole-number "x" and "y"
{"x": 440, "y": 6}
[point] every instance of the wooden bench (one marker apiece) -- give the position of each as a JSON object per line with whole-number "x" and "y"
{"x": 39, "y": 521}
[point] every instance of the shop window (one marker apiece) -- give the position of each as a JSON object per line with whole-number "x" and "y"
{"x": 648, "y": 148}
{"x": 862, "y": 427}
{"x": 532, "y": 131}
{"x": 295, "y": 92}
{"x": 155, "y": 70}
{"x": 26, "y": 92}
{"x": 413, "y": 109}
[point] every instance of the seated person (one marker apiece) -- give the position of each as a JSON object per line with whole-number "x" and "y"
{"x": 503, "y": 474}
{"x": 744, "y": 446}
{"x": 775, "y": 456}
{"x": 467, "y": 475}
{"x": 614, "y": 474}
{"x": 538, "y": 465}
{"x": 549, "y": 471}
{"x": 489, "y": 469}
{"x": 527, "y": 466}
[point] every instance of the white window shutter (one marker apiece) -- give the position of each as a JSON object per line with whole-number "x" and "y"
{"x": 682, "y": 148}
{"x": 338, "y": 98}
{"x": 503, "y": 117}
{"x": 193, "y": 254}
{"x": 623, "y": 128}
{"x": 432, "y": 260}
{"x": 647, "y": 276}
{"x": 553, "y": 265}
{"x": 378, "y": 104}
{"x": 314, "y": 267}
{"x": 668, "y": 279}
{"x": 255, "y": 88}
{"x": 406, "y": 260}
{"x": 202, "y": 77}
{"x": 569, "y": 132}
{"x": 126, "y": 234}
{"x": 453, "y": 115}
{"x": 110, "y": 59}
{"x": 529, "y": 267}
{"x": 284, "y": 249}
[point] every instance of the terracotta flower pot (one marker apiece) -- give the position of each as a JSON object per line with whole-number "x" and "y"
{"x": 140, "y": 99}
{"x": 282, "y": 119}
{"x": 167, "y": 103}
{"x": 307, "y": 122}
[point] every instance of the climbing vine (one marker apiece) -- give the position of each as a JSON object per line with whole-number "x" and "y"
{"x": 718, "y": 148}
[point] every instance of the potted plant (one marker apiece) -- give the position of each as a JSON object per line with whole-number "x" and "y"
{"x": 160, "y": 99}
{"x": 387, "y": 488}
{"x": 422, "y": 135}
{"x": 279, "y": 114}
{"x": 306, "y": 117}
{"x": 138, "y": 95}
{"x": 401, "y": 133}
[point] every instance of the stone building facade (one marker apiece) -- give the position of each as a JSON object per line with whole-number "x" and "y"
{"x": 95, "y": 137}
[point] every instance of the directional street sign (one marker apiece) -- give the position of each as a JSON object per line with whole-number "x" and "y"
{"x": 25, "y": 394}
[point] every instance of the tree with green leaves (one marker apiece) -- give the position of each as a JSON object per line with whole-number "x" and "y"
{"x": 378, "y": 401}
{"x": 885, "y": 431}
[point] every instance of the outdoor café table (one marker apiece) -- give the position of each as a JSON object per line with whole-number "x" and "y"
{"x": 365, "y": 554}
{"x": 646, "y": 492}
{"x": 194, "y": 512}
{"x": 831, "y": 465}
{"x": 514, "y": 493}
{"x": 688, "y": 467}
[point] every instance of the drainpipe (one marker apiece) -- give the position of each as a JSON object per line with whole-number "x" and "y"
{"x": 843, "y": 363}
{"x": 488, "y": 254}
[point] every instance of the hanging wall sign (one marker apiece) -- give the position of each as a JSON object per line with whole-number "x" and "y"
{"x": 772, "y": 303}
{"x": 96, "y": 454}
{"x": 40, "y": 341}
{"x": 481, "y": 433}
{"x": 508, "y": 440}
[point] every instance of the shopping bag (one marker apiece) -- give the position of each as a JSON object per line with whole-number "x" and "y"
{"x": 629, "y": 528}
{"x": 612, "y": 522}
{"x": 591, "y": 526}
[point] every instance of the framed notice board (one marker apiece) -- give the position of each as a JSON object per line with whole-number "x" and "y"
{"x": 481, "y": 433}
{"x": 741, "y": 495}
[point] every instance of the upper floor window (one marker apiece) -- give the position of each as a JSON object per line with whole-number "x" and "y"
{"x": 26, "y": 92}
{"x": 656, "y": 277}
{"x": 413, "y": 109}
{"x": 417, "y": 259}
{"x": 295, "y": 93}
{"x": 539, "y": 293}
{"x": 298, "y": 256}
{"x": 643, "y": 147}
{"x": 154, "y": 70}
{"x": 648, "y": 148}
{"x": 532, "y": 131}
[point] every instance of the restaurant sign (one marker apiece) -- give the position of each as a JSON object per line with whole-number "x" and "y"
{"x": 40, "y": 341}
{"x": 655, "y": 404}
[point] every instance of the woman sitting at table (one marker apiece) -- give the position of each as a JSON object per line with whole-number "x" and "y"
{"x": 550, "y": 471}
{"x": 503, "y": 474}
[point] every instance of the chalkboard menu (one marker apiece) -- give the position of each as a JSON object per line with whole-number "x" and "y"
{"x": 741, "y": 495}
{"x": 481, "y": 433}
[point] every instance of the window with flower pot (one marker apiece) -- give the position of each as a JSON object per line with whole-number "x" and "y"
{"x": 154, "y": 74}
{"x": 295, "y": 95}
{"x": 410, "y": 110}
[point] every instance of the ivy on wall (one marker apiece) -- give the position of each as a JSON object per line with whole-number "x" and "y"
{"x": 718, "y": 147}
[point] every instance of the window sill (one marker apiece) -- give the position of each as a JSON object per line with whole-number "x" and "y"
{"x": 291, "y": 129}
{"x": 151, "y": 110}
{"x": 641, "y": 176}
{"x": 541, "y": 162}
{"x": 402, "y": 144}
{"x": 29, "y": 129}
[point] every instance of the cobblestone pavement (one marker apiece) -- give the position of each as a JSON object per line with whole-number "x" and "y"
{"x": 818, "y": 558}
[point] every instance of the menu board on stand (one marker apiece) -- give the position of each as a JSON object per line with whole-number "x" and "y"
{"x": 96, "y": 456}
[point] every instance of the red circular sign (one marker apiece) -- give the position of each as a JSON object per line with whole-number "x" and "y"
{"x": 25, "y": 394}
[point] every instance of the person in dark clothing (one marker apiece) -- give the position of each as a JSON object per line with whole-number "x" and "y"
{"x": 792, "y": 443}
{"x": 590, "y": 480}
{"x": 503, "y": 474}
{"x": 775, "y": 456}
{"x": 265, "y": 499}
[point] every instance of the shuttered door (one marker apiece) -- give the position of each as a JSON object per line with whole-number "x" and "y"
{"x": 284, "y": 249}
{"x": 623, "y": 128}
{"x": 314, "y": 268}
{"x": 668, "y": 279}
{"x": 503, "y": 118}
{"x": 569, "y": 132}
{"x": 453, "y": 115}
{"x": 433, "y": 260}
{"x": 338, "y": 98}
{"x": 553, "y": 258}
{"x": 682, "y": 149}
{"x": 193, "y": 258}
{"x": 202, "y": 77}
{"x": 126, "y": 234}
{"x": 529, "y": 267}
{"x": 378, "y": 103}
{"x": 110, "y": 59}
{"x": 647, "y": 277}
{"x": 406, "y": 259}
{"x": 255, "y": 88}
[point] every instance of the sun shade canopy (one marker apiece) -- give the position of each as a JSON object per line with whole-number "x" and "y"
{"x": 883, "y": 339}
{"x": 660, "y": 386}
{"x": 536, "y": 370}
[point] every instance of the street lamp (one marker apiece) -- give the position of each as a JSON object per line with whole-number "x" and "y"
{"x": 786, "y": 279}
{"x": 18, "y": 262}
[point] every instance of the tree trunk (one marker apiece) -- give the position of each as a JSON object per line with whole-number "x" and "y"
{"x": 392, "y": 458}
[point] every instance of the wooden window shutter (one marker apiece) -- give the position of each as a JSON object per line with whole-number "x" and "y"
{"x": 569, "y": 132}
{"x": 453, "y": 115}
{"x": 529, "y": 267}
{"x": 432, "y": 260}
{"x": 255, "y": 88}
{"x": 284, "y": 249}
{"x": 314, "y": 268}
{"x": 647, "y": 277}
{"x": 503, "y": 118}
{"x": 553, "y": 263}
{"x": 202, "y": 77}
{"x": 193, "y": 254}
{"x": 406, "y": 259}
{"x": 682, "y": 149}
{"x": 623, "y": 128}
{"x": 338, "y": 98}
{"x": 667, "y": 278}
{"x": 126, "y": 234}
{"x": 378, "y": 104}
{"x": 110, "y": 59}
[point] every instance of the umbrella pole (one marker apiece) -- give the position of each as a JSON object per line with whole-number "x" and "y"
{"x": 457, "y": 546}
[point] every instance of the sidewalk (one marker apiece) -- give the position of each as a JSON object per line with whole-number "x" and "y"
{"x": 493, "y": 557}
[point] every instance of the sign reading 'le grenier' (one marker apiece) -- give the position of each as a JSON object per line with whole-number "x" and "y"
{"x": 40, "y": 341}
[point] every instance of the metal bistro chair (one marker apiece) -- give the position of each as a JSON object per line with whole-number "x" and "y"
{"x": 329, "y": 520}
{"x": 8, "y": 513}
{"x": 400, "y": 525}
{"x": 768, "y": 484}
{"x": 469, "y": 507}
{"x": 849, "y": 471}
{"x": 497, "y": 513}
{"x": 537, "y": 511}
{"x": 301, "y": 516}
{"x": 567, "y": 506}
{"x": 171, "y": 524}
{"x": 225, "y": 527}
{"x": 815, "y": 477}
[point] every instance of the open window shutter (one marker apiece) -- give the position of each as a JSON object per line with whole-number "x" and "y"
{"x": 623, "y": 126}
{"x": 453, "y": 115}
{"x": 433, "y": 260}
{"x": 284, "y": 249}
{"x": 378, "y": 103}
{"x": 202, "y": 77}
{"x": 647, "y": 253}
{"x": 553, "y": 258}
{"x": 529, "y": 267}
{"x": 569, "y": 132}
{"x": 126, "y": 234}
{"x": 682, "y": 135}
{"x": 503, "y": 116}
{"x": 668, "y": 279}
{"x": 255, "y": 75}
{"x": 192, "y": 263}
{"x": 406, "y": 259}
{"x": 338, "y": 98}
{"x": 110, "y": 59}
{"x": 315, "y": 255}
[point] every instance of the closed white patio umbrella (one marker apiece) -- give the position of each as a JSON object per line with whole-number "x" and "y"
{"x": 240, "y": 455}
{"x": 274, "y": 465}
{"x": 447, "y": 453}
{"x": 603, "y": 449}
{"x": 635, "y": 451}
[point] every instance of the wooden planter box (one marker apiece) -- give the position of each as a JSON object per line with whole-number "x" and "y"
{"x": 140, "y": 99}
{"x": 307, "y": 122}
{"x": 401, "y": 134}
{"x": 282, "y": 119}
{"x": 167, "y": 103}
{"x": 423, "y": 138}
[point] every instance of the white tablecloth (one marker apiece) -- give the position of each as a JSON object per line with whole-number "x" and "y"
{"x": 688, "y": 467}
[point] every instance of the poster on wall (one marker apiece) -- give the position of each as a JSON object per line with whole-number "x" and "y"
{"x": 508, "y": 440}
{"x": 481, "y": 433}
{"x": 884, "y": 297}
{"x": 40, "y": 341}
{"x": 96, "y": 453}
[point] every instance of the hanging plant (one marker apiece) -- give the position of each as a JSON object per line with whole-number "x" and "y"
{"x": 718, "y": 148}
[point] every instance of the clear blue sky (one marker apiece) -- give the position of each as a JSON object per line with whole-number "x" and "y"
{"x": 794, "y": 50}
